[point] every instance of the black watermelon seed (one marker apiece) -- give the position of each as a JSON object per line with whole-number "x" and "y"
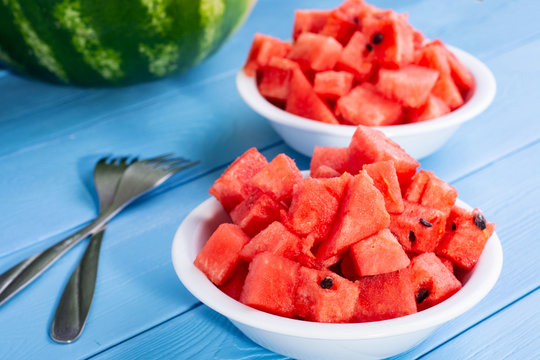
{"x": 412, "y": 236}
{"x": 377, "y": 38}
{"x": 479, "y": 221}
{"x": 369, "y": 47}
{"x": 421, "y": 295}
{"x": 425, "y": 222}
{"x": 327, "y": 282}
{"x": 454, "y": 226}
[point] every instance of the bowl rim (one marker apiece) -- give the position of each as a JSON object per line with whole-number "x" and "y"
{"x": 483, "y": 93}
{"x": 481, "y": 280}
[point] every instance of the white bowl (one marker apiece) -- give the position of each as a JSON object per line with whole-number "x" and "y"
{"x": 418, "y": 139}
{"x": 310, "y": 340}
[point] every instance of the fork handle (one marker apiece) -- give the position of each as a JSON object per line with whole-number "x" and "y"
{"x": 15, "y": 279}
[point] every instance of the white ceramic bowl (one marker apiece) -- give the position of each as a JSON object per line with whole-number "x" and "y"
{"x": 310, "y": 340}
{"x": 418, "y": 139}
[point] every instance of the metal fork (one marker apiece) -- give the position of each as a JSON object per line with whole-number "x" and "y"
{"x": 74, "y": 306}
{"x": 138, "y": 179}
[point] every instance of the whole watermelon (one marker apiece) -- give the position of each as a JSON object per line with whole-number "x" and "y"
{"x": 113, "y": 42}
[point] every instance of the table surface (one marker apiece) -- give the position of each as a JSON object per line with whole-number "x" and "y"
{"x": 51, "y": 136}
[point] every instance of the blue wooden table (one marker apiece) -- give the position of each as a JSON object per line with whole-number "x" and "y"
{"x": 51, "y": 136}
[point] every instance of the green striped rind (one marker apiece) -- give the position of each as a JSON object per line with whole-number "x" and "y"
{"x": 96, "y": 43}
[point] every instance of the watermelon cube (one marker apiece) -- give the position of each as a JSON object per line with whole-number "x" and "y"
{"x": 409, "y": 85}
{"x": 276, "y": 77}
{"x": 316, "y": 52}
{"x": 385, "y": 296}
{"x": 362, "y": 213}
{"x": 378, "y": 254}
{"x": 324, "y": 296}
{"x": 370, "y": 145}
{"x": 364, "y": 106}
{"x": 275, "y": 239}
{"x": 235, "y": 283}
{"x": 256, "y": 212}
{"x": 234, "y": 185}
{"x": 430, "y": 191}
{"x": 433, "y": 108}
{"x": 333, "y": 157}
{"x": 432, "y": 281}
{"x": 263, "y": 48}
{"x": 312, "y": 21}
{"x": 356, "y": 57}
{"x": 386, "y": 181}
{"x": 314, "y": 206}
{"x": 447, "y": 90}
{"x": 270, "y": 284}
{"x": 220, "y": 255}
{"x": 418, "y": 228}
{"x": 277, "y": 178}
{"x": 324, "y": 171}
{"x": 304, "y": 101}
{"x": 332, "y": 84}
{"x": 466, "y": 235}
{"x": 340, "y": 26}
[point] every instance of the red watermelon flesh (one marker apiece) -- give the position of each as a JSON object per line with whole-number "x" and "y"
{"x": 324, "y": 171}
{"x": 332, "y": 84}
{"x": 304, "y": 101}
{"x": 385, "y": 180}
{"x": 275, "y": 239}
{"x": 362, "y": 213}
{"x": 333, "y": 157}
{"x": 356, "y": 58}
{"x": 410, "y": 85}
{"x": 432, "y": 281}
{"x": 263, "y": 48}
{"x": 340, "y": 26}
{"x": 278, "y": 178}
{"x": 446, "y": 90}
{"x": 447, "y": 263}
{"x": 418, "y": 228}
{"x": 256, "y": 213}
{"x": 276, "y": 78}
{"x": 271, "y": 284}
{"x": 370, "y": 145}
{"x": 312, "y": 21}
{"x": 433, "y": 108}
{"x": 317, "y": 52}
{"x": 324, "y": 296}
{"x": 417, "y": 186}
{"x": 364, "y": 106}
{"x": 466, "y": 235}
{"x": 378, "y": 254}
{"x": 234, "y": 185}
{"x": 219, "y": 256}
{"x": 385, "y": 296}
{"x": 430, "y": 191}
{"x": 235, "y": 283}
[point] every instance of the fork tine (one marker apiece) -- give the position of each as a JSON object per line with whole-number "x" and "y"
{"x": 174, "y": 169}
{"x": 157, "y": 158}
{"x": 103, "y": 160}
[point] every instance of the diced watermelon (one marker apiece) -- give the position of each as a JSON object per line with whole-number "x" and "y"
{"x": 332, "y": 84}
{"x": 276, "y": 78}
{"x": 356, "y": 57}
{"x": 362, "y": 213}
{"x": 333, "y": 157}
{"x": 432, "y": 281}
{"x": 409, "y": 85}
{"x": 418, "y": 228}
{"x": 385, "y": 296}
{"x": 324, "y": 296}
{"x": 416, "y": 188}
{"x": 256, "y": 212}
{"x": 235, "y": 283}
{"x": 370, "y": 145}
{"x": 314, "y": 206}
{"x": 339, "y": 26}
{"x": 446, "y": 90}
{"x": 312, "y": 21}
{"x": 317, "y": 52}
{"x": 275, "y": 239}
{"x": 432, "y": 109}
{"x": 234, "y": 185}
{"x": 466, "y": 235}
{"x": 278, "y": 178}
{"x": 378, "y": 254}
{"x": 303, "y": 101}
{"x": 324, "y": 171}
{"x": 363, "y": 106}
{"x": 271, "y": 284}
{"x": 220, "y": 255}
{"x": 447, "y": 263}
{"x": 263, "y": 48}
{"x": 461, "y": 75}
{"x": 385, "y": 180}
{"x": 430, "y": 191}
